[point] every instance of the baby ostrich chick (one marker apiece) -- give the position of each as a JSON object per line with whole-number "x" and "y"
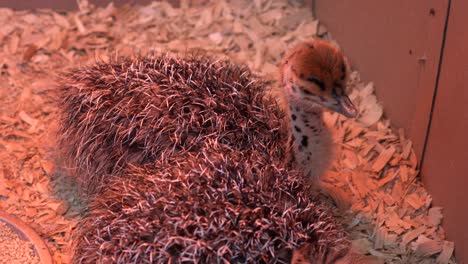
{"x": 184, "y": 161}
{"x": 314, "y": 75}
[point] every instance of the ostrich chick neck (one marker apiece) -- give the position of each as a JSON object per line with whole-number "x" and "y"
{"x": 310, "y": 139}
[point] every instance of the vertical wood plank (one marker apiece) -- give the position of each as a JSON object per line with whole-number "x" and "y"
{"x": 445, "y": 167}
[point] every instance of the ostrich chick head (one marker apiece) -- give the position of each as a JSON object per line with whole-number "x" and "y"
{"x": 314, "y": 73}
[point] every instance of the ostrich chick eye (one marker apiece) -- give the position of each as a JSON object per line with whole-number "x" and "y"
{"x": 317, "y": 82}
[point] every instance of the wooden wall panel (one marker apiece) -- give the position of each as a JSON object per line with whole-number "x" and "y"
{"x": 396, "y": 44}
{"x": 445, "y": 166}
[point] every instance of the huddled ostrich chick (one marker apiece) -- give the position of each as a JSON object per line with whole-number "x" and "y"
{"x": 186, "y": 160}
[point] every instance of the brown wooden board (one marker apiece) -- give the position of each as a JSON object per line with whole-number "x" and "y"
{"x": 445, "y": 166}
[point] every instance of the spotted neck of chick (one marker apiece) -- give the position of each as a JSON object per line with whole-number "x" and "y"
{"x": 310, "y": 140}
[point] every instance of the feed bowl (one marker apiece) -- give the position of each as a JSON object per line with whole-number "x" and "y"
{"x": 28, "y": 234}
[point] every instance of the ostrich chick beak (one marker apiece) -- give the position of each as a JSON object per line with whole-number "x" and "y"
{"x": 345, "y": 106}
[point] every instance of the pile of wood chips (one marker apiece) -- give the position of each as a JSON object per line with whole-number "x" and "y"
{"x": 375, "y": 176}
